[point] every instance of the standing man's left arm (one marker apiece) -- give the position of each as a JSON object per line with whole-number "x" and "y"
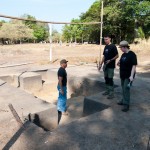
{"x": 133, "y": 71}
{"x": 114, "y": 58}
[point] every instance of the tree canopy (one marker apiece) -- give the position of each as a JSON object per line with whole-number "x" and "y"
{"x": 16, "y": 30}
{"x": 40, "y": 30}
{"x": 123, "y": 19}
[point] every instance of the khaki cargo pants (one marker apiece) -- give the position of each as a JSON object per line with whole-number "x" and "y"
{"x": 108, "y": 75}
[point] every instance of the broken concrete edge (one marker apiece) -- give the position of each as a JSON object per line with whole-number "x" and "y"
{"x": 2, "y": 82}
{"x": 6, "y": 66}
{"x": 31, "y": 82}
{"x": 14, "y": 79}
{"x": 39, "y": 70}
{"x": 47, "y": 119}
{"x": 18, "y": 77}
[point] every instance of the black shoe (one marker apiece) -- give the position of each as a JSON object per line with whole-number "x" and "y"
{"x": 105, "y": 93}
{"x": 120, "y": 103}
{"x": 126, "y": 108}
{"x": 110, "y": 97}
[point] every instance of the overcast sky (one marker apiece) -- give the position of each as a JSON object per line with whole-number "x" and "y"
{"x": 49, "y": 10}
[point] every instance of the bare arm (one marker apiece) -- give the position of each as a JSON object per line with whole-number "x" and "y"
{"x": 108, "y": 61}
{"x": 118, "y": 63}
{"x": 115, "y": 57}
{"x": 103, "y": 59}
{"x": 132, "y": 72}
{"x": 60, "y": 84}
{"x": 101, "y": 63}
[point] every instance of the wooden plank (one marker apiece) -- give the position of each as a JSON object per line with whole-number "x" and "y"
{"x": 16, "y": 116}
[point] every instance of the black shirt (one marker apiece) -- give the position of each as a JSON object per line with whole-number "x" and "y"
{"x": 62, "y": 73}
{"x": 110, "y": 51}
{"x": 127, "y": 60}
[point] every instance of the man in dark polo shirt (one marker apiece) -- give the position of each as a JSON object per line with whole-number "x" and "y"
{"x": 110, "y": 55}
{"x": 62, "y": 87}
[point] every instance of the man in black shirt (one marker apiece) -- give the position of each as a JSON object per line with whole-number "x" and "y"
{"x": 127, "y": 63}
{"x": 110, "y": 55}
{"x": 62, "y": 87}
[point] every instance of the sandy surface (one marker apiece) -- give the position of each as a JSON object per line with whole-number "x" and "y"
{"x": 33, "y": 56}
{"x": 39, "y": 53}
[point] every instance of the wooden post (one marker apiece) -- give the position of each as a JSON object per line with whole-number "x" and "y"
{"x": 50, "y": 41}
{"x": 101, "y": 32}
{"x": 16, "y": 116}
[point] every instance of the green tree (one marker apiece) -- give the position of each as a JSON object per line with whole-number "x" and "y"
{"x": 56, "y": 36}
{"x": 75, "y": 33}
{"x": 123, "y": 19}
{"x": 40, "y": 30}
{"x": 67, "y": 33}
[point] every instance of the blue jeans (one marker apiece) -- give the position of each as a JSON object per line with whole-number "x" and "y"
{"x": 62, "y": 99}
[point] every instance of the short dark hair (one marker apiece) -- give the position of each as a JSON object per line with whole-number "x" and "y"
{"x": 107, "y": 35}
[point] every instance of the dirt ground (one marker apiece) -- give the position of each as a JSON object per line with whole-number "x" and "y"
{"x": 38, "y": 55}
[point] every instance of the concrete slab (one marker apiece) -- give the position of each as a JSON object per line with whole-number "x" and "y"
{"x": 43, "y": 73}
{"x": 13, "y": 65}
{"x": 16, "y": 82}
{"x": 48, "y": 119}
{"x": 2, "y": 82}
{"x": 23, "y": 103}
{"x": 110, "y": 129}
{"x": 7, "y": 78}
{"x": 51, "y": 76}
{"x": 31, "y": 82}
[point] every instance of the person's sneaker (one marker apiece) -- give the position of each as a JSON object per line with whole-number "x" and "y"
{"x": 105, "y": 93}
{"x": 126, "y": 108}
{"x": 120, "y": 103}
{"x": 110, "y": 97}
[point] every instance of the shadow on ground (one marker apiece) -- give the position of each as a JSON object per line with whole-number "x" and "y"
{"x": 109, "y": 129}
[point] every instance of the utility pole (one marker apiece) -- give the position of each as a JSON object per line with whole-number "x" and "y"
{"x": 101, "y": 31}
{"x": 50, "y": 41}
